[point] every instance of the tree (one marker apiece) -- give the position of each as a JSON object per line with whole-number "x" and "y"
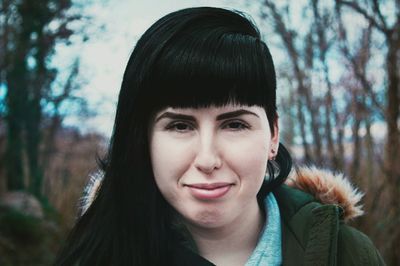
{"x": 340, "y": 92}
{"x": 29, "y": 32}
{"x": 305, "y": 106}
{"x": 373, "y": 14}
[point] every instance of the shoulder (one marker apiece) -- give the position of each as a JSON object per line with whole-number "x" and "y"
{"x": 355, "y": 248}
{"x": 315, "y": 205}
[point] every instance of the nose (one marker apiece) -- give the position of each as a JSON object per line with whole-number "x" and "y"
{"x": 207, "y": 158}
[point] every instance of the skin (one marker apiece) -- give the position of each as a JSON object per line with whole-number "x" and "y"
{"x": 221, "y": 149}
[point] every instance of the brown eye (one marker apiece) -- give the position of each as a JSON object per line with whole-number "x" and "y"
{"x": 236, "y": 125}
{"x": 179, "y": 127}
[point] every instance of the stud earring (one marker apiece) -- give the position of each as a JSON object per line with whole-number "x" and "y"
{"x": 273, "y": 151}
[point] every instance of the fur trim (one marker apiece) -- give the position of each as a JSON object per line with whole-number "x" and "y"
{"x": 90, "y": 191}
{"x": 324, "y": 185}
{"x": 328, "y": 188}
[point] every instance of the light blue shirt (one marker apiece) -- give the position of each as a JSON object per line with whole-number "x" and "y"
{"x": 269, "y": 247}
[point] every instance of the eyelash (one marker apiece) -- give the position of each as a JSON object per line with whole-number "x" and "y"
{"x": 240, "y": 125}
{"x": 173, "y": 126}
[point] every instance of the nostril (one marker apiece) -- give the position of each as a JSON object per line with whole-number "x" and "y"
{"x": 206, "y": 170}
{"x": 208, "y": 164}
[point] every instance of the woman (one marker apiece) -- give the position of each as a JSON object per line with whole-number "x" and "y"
{"x": 194, "y": 171}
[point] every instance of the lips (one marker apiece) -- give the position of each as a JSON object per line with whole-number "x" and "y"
{"x": 206, "y": 191}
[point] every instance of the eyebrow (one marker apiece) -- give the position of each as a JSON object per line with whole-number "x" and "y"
{"x": 223, "y": 116}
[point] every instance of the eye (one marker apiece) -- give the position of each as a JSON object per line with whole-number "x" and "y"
{"x": 179, "y": 126}
{"x": 236, "y": 125}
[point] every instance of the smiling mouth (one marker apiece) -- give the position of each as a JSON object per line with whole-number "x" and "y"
{"x": 209, "y": 191}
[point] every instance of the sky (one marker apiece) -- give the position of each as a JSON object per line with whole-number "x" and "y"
{"x": 104, "y": 56}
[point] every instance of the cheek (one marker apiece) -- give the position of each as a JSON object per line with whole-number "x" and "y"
{"x": 254, "y": 147}
{"x": 169, "y": 160}
{"x": 249, "y": 156}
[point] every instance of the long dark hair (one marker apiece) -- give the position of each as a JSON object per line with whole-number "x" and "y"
{"x": 194, "y": 57}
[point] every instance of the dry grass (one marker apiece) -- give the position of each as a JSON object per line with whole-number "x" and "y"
{"x": 68, "y": 170}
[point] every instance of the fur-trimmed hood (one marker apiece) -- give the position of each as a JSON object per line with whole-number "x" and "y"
{"x": 326, "y": 187}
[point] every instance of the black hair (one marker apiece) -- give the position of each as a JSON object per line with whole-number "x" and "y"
{"x": 195, "y": 57}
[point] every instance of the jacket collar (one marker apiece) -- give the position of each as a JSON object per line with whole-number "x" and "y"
{"x": 309, "y": 228}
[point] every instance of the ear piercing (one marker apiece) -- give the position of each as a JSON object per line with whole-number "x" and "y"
{"x": 274, "y": 152}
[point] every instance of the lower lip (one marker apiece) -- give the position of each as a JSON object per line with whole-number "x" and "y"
{"x": 205, "y": 194}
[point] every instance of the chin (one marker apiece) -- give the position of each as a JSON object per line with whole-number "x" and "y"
{"x": 207, "y": 219}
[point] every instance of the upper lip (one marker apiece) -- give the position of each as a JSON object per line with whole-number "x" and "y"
{"x": 209, "y": 186}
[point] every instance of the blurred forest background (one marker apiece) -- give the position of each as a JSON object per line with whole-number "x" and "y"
{"x": 339, "y": 78}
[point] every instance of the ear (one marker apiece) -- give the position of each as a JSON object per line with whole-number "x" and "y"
{"x": 274, "y": 145}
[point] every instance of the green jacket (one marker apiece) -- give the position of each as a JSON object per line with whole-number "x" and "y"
{"x": 315, "y": 234}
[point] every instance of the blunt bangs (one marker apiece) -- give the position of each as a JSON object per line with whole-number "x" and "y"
{"x": 207, "y": 67}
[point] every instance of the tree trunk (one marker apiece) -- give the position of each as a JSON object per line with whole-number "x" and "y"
{"x": 356, "y": 157}
{"x": 370, "y": 156}
{"x": 303, "y": 134}
{"x": 33, "y": 139}
{"x": 392, "y": 155}
{"x": 303, "y": 90}
{"x": 40, "y": 87}
{"x": 16, "y": 99}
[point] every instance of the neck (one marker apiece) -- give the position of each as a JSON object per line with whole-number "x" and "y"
{"x": 233, "y": 243}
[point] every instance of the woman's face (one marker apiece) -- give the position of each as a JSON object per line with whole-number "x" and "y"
{"x": 209, "y": 163}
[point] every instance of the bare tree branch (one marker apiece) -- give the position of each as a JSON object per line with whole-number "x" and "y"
{"x": 343, "y": 45}
{"x": 378, "y": 11}
{"x": 288, "y": 38}
{"x": 356, "y": 7}
{"x": 330, "y": 110}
